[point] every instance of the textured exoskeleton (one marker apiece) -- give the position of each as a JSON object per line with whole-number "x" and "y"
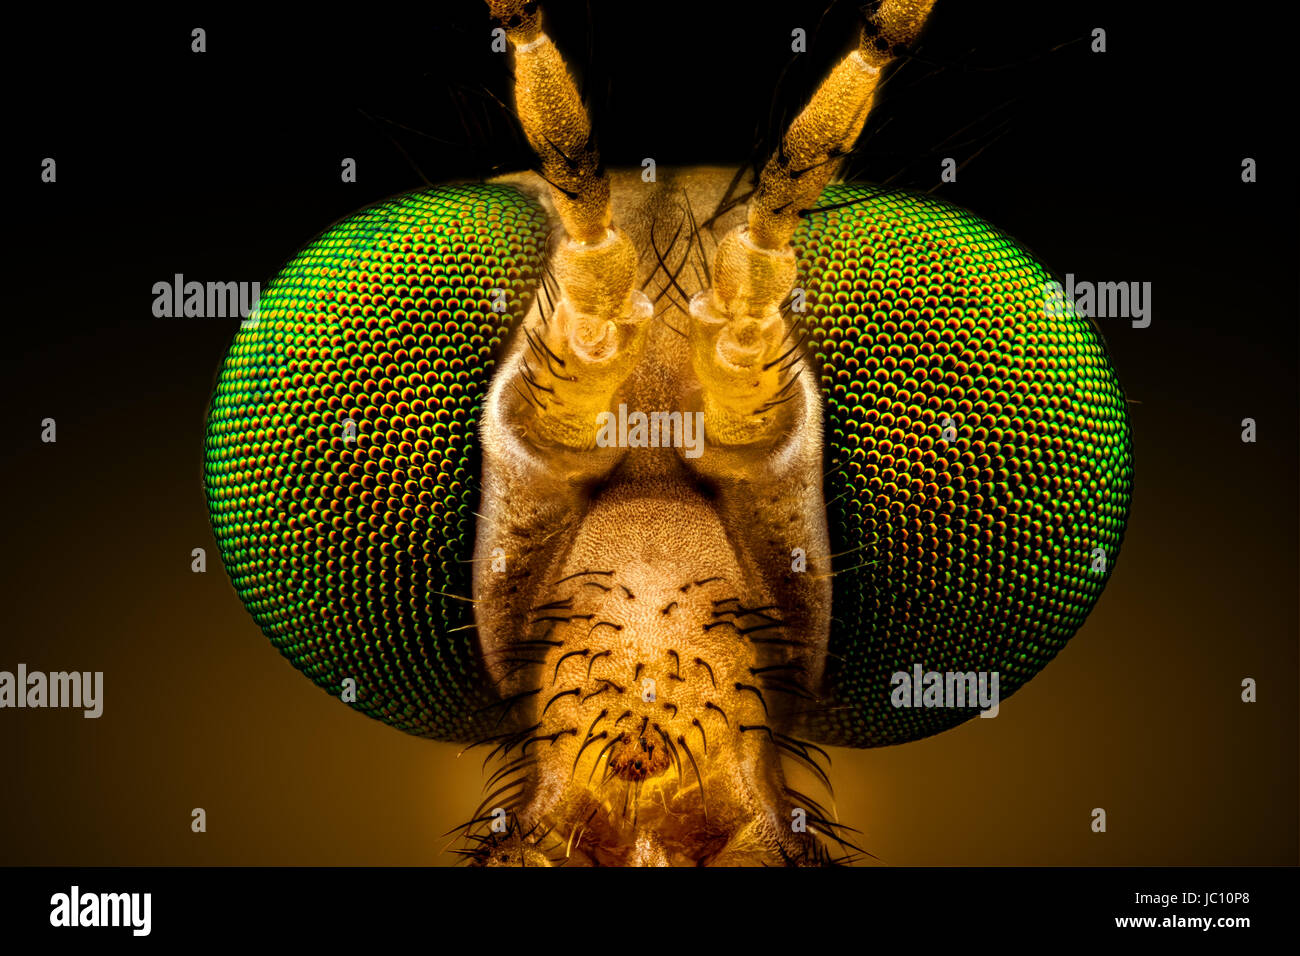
{"x": 648, "y": 491}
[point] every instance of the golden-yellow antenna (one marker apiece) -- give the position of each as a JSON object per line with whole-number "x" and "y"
{"x": 737, "y": 326}
{"x": 600, "y": 314}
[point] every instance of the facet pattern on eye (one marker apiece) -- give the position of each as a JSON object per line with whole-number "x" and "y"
{"x": 341, "y": 462}
{"x": 979, "y": 465}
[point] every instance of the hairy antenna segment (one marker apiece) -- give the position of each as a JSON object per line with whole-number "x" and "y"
{"x": 737, "y": 328}
{"x": 555, "y": 123}
{"x": 599, "y": 324}
{"x": 811, "y": 151}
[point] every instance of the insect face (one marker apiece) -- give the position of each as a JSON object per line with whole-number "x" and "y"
{"x": 650, "y": 492}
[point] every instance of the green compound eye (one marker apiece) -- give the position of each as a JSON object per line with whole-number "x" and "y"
{"x": 978, "y": 452}
{"x": 983, "y": 549}
{"x": 345, "y": 541}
